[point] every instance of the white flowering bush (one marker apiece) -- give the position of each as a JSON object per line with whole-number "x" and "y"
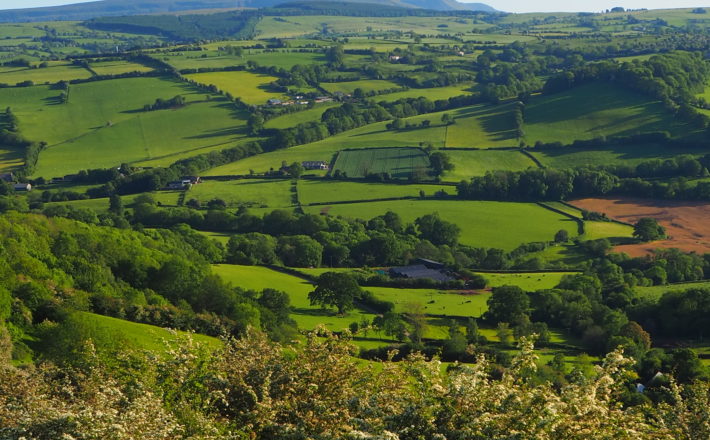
{"x": 254, "y": 388}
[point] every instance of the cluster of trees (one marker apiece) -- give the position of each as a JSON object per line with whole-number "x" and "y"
{"x": 162, "y": 104}
{"x": 560, "y": 184}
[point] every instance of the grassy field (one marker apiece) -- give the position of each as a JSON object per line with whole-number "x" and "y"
{"x": 400, "y": 163}
{"x": 611, "y": 230}
{"x": 482, "y": 126}
{"x": 292, "y": 119}
{"x": 322, "y": 191}
{"x": 435, "y": 302}
{"x": 623, "y": 154}
{"x": 433, "y": 94}
{"x": 369, "y": 85}
{"x": 11, "y": 159}
{"x": 529, "y": 282}
{"x": 216, "y": 59}
{"x": 481, "y": 223}
{"x": 252, "y": 88}
{"x": 259, "y": 193}
{"x": 136, "y": 335}
{"x": 47, "y": 75}
{"x": 655, "y": 292}
{"x": 117, "y": 67}
{"x": 597, "y": 109}
{"x": 470, "y": 163}
{"x": 166, "y": 198}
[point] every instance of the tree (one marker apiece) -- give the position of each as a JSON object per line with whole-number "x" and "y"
{"x": 440, "y": 162}
{"x": 295, "y": 170}
{"x": 561, "y": 236}
{"x": 439, "y": 232}
{"x": 392, "y": 325}
{"x": 648, "y": 229}
{"x": 335, "y": 289}
{"x": 504, "y": 333}
{"x": 447, "y": 119}
{"x": 416, "y": 317}
{"x": 507, "y": 304}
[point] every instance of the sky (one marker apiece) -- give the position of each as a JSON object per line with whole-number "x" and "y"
{"x": 502, "y": 5}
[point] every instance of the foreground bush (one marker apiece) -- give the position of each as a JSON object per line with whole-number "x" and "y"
{"x": 257, "y": 389}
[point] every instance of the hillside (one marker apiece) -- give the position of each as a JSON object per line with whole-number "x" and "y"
{"x": 104, "y": 8}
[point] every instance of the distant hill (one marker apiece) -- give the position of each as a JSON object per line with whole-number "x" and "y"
{"x": 105, "y": 8}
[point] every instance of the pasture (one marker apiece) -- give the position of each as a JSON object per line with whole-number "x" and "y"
{"x": 292, "y": 119}
{"x": 324, "y": 191}
{"x": 436, "y": 302}
{"x": 593, "y": 110}
{"x": 259, "y": 193}
{"x": 655, "y": 292}
{"x": 529, "y": 282}
{"x": 594, "y": 156}
{"x": 499, "y": 225}
{"x": 470, "y": 163}
{"x": 117, "y": 67}
{"x": 685, "y": 222}
{"x": 434, "y": 93}
{"x": 482, "y": 126}
{"x": 348, "y": 87}
{"x": 252, "y": 88}
{"x": 400, "y": 163}
{"x": 45, "y": 75}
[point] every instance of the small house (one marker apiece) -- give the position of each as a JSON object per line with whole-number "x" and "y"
{"x": 314, "y": 165}
{"x": 22, "y": 187}
{"x": 7, "y": 177}
{"x": 419, "y": 271}
{"x": 320, "y": 99}
{"x": 274, "y": 102}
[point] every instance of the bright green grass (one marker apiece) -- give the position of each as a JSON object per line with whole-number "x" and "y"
{"x": 321, "y": 191}
{"x": 307, "y": 316}
{"x": 283, "y": 60}
{"x": 435, "y": 302}
{"x": 434, "y": 93}
{"x": 655, "y": 292}
{"x": 11, "y": 159}
{"x": 483, "y": 224}
{"x": 148, "y": 135}
{"x": 139, "y": 336}
{"x": 529, "y": 282}
{"x": 45, "y": 75}
{"x": 260, "y": 193}
{"x": 368, "y": 85}
{"x": 165, "y": 198}
{"x": 118, "y": 67}
{"x": 623, "y": 154}
{"x": 596, "y": 109}
{"x": 482, "y": 126}
{"x": 472, "y": 163}
{"x": 292, "y": 119}
{"x": 596, "y": 230}
{"x": 568, "y": 209}
{"x": 400, "y": 163}
{"x": 252, "y": 88}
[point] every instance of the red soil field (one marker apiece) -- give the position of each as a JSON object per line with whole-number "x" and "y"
{"x": 687, "y": 223}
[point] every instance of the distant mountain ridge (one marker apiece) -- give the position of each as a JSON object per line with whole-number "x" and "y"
{"x": 105, "y": 8}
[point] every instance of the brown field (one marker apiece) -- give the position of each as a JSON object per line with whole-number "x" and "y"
{"x": 687, "y": 223}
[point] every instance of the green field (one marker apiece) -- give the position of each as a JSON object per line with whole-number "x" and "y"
{"x": 655, "y": 292}
{"x": 435, "y": 302}
{"x": 622, "y": 154}
{"x": 117, "y": 67}
{"x": 47, "y": 75}
{"x": 482, "y": 126}
{"x": 611, "y": 230}
{"x": 259, "y": 193}
{"x": 470, "y": 163}
{"x": 433, "y": 94}
{"x": 370, "y": 85}
{"x": 292, "y": 119}
{"x": 252, "y": 88}
{"x": 483, "y": 224}
{"x": 400, "y": 163}
{"x": 529, "y": 282}
{"x": 597, "y": 109}
{"x": 323, "y": 191}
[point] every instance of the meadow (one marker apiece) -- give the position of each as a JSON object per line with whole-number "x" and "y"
{"x": 260, "y": 193}
{"x": 324, "y": 191}
{"x": 596, "y": 156}
{"x": 46, "y": 75}
{"x": 117, "y": 67}
{"x": 470, "y": 163}
{"x": 400, "y": 163}
{"x": 292, "y": 119}
{"x": 348, "y": 87}
{"x": 434, "y": 93}
{"x": 483, "y": 224}
{"x": 655, "y": 292}
{"x": 530, "y": 282}
{"x": 594, "y": 110}
{"x": 252, "y": 88}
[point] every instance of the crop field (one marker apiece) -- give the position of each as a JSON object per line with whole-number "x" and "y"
{"x": 45, "y": 75}
{"x": 252, "y": 88}
{"x": 685, "y": 222}
{"x": 370, "y": 85}
{"x": 117, "y": 67}
{"x": 324, "y": 191}
{"x": 260, "y": 193}
{"x": 307, "y": 316}
{"x": 292, "y": 119}
{"x": 483, "y": 224}
{"x": 482, "y": 126}
{"x": 594, "y": 110}
{"x": 655, "y": 292}
{"x": 620, "y": 155}
{"x": 470, "y": 163}
{"x": 400, "y": 163}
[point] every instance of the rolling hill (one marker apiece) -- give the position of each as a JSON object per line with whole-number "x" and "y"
{"x": 104, "y": 8}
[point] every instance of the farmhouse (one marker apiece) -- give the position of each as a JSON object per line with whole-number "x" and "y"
{"x": 22, "y": 187}
{"x": 419, "y": 271}
{"x": 179, "y": 184}
{"x": 193, "y": 179}
{"x": 314, "y": 165}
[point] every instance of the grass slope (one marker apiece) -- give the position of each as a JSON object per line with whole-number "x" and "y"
{"x": 250, "y": 192}
{"x": 400, "y": 163}
{"x": 250, "y": 87}
{"x": 322, "y": 191}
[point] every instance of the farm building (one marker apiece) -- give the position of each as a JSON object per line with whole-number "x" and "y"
{"x": 395, "y": 57}
{"x": 315, "y": 165}
{"x": 193, "y": 179}
{"x": 320, "y": 99}
{"x": 274, "y": 102}
{"x": 179, "y": 184}
{"x": 419, "y": 271}
{"x": 22, "y": 187}
{"x": 7, "y": 177}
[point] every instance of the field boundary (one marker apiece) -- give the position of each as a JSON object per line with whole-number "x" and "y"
{"x": 579, "y": 221}
{"x": 531, "y": 157}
